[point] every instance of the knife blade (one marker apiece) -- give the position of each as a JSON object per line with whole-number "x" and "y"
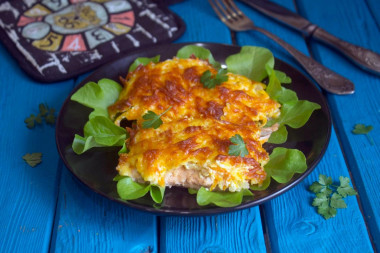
{"x": 364, "y": 58}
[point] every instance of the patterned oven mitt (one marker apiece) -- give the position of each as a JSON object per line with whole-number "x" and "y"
{"x": 55, "y": 40}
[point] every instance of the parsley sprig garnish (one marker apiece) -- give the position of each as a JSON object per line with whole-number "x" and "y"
{"x": 238, "y": 147}
{"x": 32, "y": 159}
{"x": 329, "y": 197}
{"x": 152, "y": 120}
{"x": 363, "y": 129}
{"x": 45, "y": 113}
{"x": 211, "y": 81}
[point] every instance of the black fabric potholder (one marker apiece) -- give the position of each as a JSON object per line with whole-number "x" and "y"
{"x": 54, "y": 40}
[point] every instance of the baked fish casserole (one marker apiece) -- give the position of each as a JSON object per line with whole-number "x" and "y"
{"x": 191, "y": 148}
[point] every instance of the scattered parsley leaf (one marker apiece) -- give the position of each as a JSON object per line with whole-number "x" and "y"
{"x": 210, "y": 81}
{"x": 327, "y": 211}
{"x": 320, "y": 200}
{"x": 337, "y": 201}
{"x": 325, "y": 181}
{"x": 345, "y": 189}
{"x": 32, "y": 159}
{"x": 45, "y": 112}
{"x": 43, "y": 109}
{"x": 327, "y": 200}
{"x": 238, "y": 148}
{"x": 152, "y": 120}
{"x": 50, "y": 117}
{"x": 316, "y": 187}
{"x": 363, "y": 129}
{"x": 30, "y": 121}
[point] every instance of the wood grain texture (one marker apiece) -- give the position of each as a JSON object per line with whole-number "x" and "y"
{"x": 356, "y": 25}
{"x": 194, "y": 13}
{"x": 255, "y": 38}
{"x": 232, "y": 232}
{"x": 294, "y": 225}
{"x": 28, "y": 195}
{"x": 87, "y": 222}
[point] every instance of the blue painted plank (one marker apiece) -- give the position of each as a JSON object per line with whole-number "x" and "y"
{"x": 232, "y": 232}
{"x": 28, "y": 195}
{"x": 87, "y": 222}
{"x": 255, "y": 38}
{"x": 235, "y": 232}
{"x": 356, "y": 25}
{"x": 194, "y": 14}
{"x": 294, "y": 225}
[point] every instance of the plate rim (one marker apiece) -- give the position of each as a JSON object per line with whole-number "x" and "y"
{"x": 202, "y": 211}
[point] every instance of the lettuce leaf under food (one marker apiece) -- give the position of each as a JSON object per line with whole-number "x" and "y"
{"x": 251, "y": 62}
{"x": 221, "y": 199}
{"x": 199, "y": 52}
{"x": 283, "y": 163}
{"x": 99, "y": 131}
{"x": 143, "y": 61}
{"x": 98, "y": 96}
{"x": 129, "y": 189}
{"x": 294, "y": 113}
{"x": 280, "y": 136}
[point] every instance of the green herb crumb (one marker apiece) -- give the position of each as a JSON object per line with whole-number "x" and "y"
{"x": 330, "y": 197}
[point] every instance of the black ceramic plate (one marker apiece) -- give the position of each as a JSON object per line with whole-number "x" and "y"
{"x": 96, "y": 167}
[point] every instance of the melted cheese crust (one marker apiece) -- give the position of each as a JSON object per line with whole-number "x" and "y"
{"x": 190, "y": 148}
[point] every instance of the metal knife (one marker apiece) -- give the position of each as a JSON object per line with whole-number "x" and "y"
{"x": 364, "y": 58}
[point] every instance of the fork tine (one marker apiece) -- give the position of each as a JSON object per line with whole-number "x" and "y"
{"x": 231, "y": 15}
{"x": 235, "y": 9}
{"x": 220, "y": 11}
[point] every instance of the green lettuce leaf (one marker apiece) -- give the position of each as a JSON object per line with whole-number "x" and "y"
{"x": 200, "y": 52}
{"x": 251, "y": 62}
{"x": 143, "y": 61}
{"x": 157, "y": 193}
{"x": 296, "y": 113}
{"x": 98, "y": 96}
{"x": 129, "y": 189}
{"x": 222, "y": 199}
{"x": 282, "y": 77}
{"x": 263, "y": 186}
{"x": 280, "y": 136}
{"x": 283, "y": 163}
{"x": 99, "y": 131}
{"x": 276, "y": 91}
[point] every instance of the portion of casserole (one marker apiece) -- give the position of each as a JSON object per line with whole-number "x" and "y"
{"x": 190, "y": 149}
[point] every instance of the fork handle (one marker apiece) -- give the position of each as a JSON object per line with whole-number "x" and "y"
{"x": 326, "y": 78}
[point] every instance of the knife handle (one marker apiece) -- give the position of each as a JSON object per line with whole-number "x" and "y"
{"x": 326, "y": 78}
{"x": 364, "y": 58}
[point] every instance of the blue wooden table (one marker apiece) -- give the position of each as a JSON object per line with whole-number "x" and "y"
{"x": 45, "y": 209}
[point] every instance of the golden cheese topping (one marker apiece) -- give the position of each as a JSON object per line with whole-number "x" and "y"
{"x": 190, "y": 148}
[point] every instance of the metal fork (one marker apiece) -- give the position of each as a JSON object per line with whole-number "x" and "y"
{"x": 235, "y": 19}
